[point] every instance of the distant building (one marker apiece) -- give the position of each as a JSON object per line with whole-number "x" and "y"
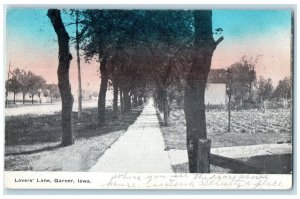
{"x": 215, "y": 92}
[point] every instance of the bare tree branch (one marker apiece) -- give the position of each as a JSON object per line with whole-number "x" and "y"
{"x": 219, "y": 40}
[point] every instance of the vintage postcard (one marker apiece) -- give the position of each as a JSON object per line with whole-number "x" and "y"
{"x": 99, "y": 98}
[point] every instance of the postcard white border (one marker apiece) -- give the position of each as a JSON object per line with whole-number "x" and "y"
{"x": 95, "y": 180}
{"x": 251, "y": 3}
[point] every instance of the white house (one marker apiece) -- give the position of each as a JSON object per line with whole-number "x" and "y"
{"x": 215, "y": 92}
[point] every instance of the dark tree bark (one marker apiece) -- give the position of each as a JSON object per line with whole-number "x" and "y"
{"x": 23, "y": 98}
{"x": 127, "y": 99}
{"x": 163, "y": 104}
{"x": 102, "y": 92}
{"x": 121, "y": 99}
{"x": 165, "y": 108}
{"x": 163, "y": 94}
{"x": 115, "y": 99}
{"x": 32, "y": 99}
{"x": 64, "y": 57}
{"x": 140, "y": 100}
{"x": 14, "y": 97}
{"x": 135, "y": 101}
{"x": 194, "y": 105}
{"x": 6, "y": 95}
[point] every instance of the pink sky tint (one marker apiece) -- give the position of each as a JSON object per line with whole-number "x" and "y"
{"x": 275, "y": 62}
{"x": 47, "y": 68}
{"x": 44, "y": 63}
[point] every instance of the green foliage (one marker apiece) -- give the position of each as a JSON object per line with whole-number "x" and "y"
{"x": 283, "y": 89}
{"x": 52, "y": 91}
{"x": 25, "y": 82}
{"x": 265, "y": 89}
{"x": 146, "y": 48}
{"x": 242, "y": 76}
{"x": 13, "y": 85}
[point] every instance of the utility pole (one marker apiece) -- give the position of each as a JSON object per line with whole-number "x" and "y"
{"x": 78, "y": 65}
{"x": 7, "y": 85}
{"x": 229, "y": 94}
{"x": 8, "y": 70}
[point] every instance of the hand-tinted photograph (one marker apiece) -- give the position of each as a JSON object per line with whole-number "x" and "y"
{"x": 149, "y": 90}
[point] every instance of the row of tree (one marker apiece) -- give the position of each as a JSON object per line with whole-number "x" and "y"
{"x": 143, "y": 53}
{"x": 245, "y": 90}
{"x": 161, "y": 53}
{"x": 21, "y": 81}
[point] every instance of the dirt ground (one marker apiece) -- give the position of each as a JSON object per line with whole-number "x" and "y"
{"x": 248, "y": 127}
{"x": 32, "y": 142}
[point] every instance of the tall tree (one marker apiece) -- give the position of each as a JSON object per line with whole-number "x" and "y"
{"x": 13, "y": 84}
{"x": 194, "y": 106}
{"x": 283, "y": 89}
{"x": 26, "y": 81}
{"x": 102, "y": 40}
{"x": 166, "y": 33}
{"x": 97, "y": 39}
{"x": 37, "y": 84}
{"x": 52, "y": 91}
{"x": 265, "y": 89}
{"x": 243, "y": 76}
{"x": 64, "y": 57}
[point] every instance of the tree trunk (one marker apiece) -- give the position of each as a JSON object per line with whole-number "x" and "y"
{"x": 102, "y": 92}
{"x": 63, "y": 76}
{"x": 135, "y": 101}
{"x": 229, "y": 112}
{"x": 115, "y": 100}
{"x": 51, "y": 99}
{"x": 79, "y": 72}
{"x": 165, "y": 106}
{"x": 194, "y": 109}
{"x": 6, "y": 96}
{"x": 127, "y": 100}
{"x": 14, "y": 97}
{"x": 194, "y": 105}
{"x": 140, "y": 100}
{"x": 32, "y": 99}
{"x": 121, "y": 100}
{"x": 23, "y": 98}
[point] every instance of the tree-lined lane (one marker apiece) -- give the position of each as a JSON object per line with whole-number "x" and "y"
{"x": 139, "y": 150}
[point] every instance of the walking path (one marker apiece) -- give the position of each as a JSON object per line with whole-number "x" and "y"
{"x": 139, "y": 150}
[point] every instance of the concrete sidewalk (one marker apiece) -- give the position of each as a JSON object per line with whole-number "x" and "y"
{"x": 139, "y": 150}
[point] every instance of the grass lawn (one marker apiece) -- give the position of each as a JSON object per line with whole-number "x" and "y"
{"x": 32, "y": 142}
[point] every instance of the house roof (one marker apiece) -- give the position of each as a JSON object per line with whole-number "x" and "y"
{"x": 217, "y": 76}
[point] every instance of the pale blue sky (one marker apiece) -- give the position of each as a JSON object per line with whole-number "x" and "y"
{"x": 30, "y": 41}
